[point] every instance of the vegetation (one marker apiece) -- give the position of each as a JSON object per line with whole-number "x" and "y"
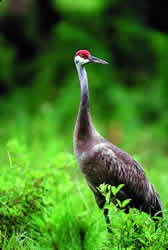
{"x": 45, "y": 202}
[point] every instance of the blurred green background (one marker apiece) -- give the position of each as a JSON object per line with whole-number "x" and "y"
{"x": 40, "y": 91}
{"x": 37, "y": 74}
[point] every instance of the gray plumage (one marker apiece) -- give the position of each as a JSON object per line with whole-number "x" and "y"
{"x": 102, "y": 162}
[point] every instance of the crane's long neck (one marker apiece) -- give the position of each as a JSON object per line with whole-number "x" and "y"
{"x": 84, "y": 127}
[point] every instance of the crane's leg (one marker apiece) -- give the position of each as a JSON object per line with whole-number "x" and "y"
{"x": 156, "y": 221}
{"x": 107, "y": 219}
{"x": 101, "y": 200}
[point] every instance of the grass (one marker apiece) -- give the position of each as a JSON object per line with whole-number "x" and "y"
{"x": 45, "y": 202}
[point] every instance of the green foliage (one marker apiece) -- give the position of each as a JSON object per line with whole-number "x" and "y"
{"x": 45, "y": 202}
{"x": 135, "y": 230}
{"x": 110, "y": 192}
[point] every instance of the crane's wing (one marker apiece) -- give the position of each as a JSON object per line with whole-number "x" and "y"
{"x": 108, "y": 164}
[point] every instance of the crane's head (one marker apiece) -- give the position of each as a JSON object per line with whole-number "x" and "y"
{"x": 83, "y": 57}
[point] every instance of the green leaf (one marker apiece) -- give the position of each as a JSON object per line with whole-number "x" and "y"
{"x": 119, "y": 203}
{"x": 125, "y": 202}
{"x": 115, "y": 190}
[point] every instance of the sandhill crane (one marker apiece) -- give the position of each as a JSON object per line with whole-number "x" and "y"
{"x": 102, "y": 162}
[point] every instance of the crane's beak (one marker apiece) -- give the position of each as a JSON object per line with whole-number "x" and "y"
{"x": 94, "y": 59}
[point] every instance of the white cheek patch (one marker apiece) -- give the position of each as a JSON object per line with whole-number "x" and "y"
{"x": 81, "y": 60}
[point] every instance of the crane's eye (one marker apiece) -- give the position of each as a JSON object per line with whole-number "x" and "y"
{"x": 83, "y": 56}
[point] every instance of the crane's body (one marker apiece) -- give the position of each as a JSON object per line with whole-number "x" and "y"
{"x": 102, "y": 162}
